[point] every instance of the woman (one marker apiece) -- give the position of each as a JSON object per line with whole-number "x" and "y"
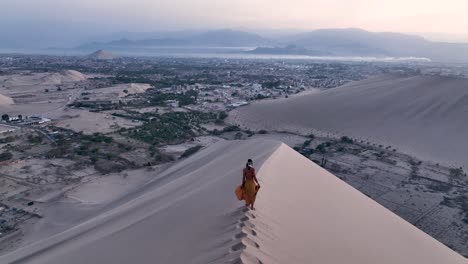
{"x": 250, "y": 184}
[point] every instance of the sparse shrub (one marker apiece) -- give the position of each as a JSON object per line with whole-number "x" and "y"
{"x": 125, "y": 91}
{"x": 231, "y": 128}
{"x": 321, "y": 148}
{"x": 222, "y": 115}
{"x": 306, "y": 143}
{"x": 216, "y": 132}
{"x": 263, "y": 132}
{"x": 346, "y": 139}
{"x": 35, "y": 139}
{"x": 6, "y": 156}
{"x": 456, "y": 173}
{"x": 57, "y": 152}
{"x": 238, "y": 135}
{"x": 191, "y": 151}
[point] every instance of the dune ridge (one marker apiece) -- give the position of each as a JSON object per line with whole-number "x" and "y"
{"x": 64, "y": 77}
{"x": 189, "y": 214}
{"x": 421, "y": 115}
{"x": 307, "y": 215}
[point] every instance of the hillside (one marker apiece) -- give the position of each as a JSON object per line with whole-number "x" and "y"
{"x": 102, "y": 55}
{"x": 424, "y": 115}
{"x": 324, "y": 42}
{"x": 188, "y": 214}
{"x": 215, "y": 38}
{"x": 65, "y": 76}
{"x": 358, "y": 42}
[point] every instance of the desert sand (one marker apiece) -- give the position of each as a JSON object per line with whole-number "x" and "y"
{"x": 117, "y": 91}
{"x": 421, "y": 115}
{"x": 189, "y": 214}
{"x": 5, "y": 100}
{"x": 28, "y": 92}
{"x": 65, "y": 76}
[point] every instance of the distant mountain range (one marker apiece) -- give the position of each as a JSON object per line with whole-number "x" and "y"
{"x": 218, "y": 38}
{"x": 325, "y": 42}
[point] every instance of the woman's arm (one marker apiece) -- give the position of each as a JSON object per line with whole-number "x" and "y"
{"x": 255, "y": 177}
{"x": 243, "y": 178}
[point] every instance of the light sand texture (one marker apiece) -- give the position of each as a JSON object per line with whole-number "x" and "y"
{"x": 190, "y": 215}
{"x": 5, "y": 100}
{"x": 186, "y": 215}
{"x": 421, "y": 115}
{"x": 307, "y": 215}
{"x": 63, "y": 77}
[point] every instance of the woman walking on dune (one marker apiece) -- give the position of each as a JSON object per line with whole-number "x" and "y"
{"x": 250, "y": 184}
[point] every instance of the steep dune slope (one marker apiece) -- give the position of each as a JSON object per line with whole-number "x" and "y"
{"x": 186, "y": 215}
{"x": 425, "y": 115}
{"x": 307, "y": 215}
{"x": 190, "y": 215}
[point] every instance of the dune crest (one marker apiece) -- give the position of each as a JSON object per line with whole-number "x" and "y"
{"x": 421, "y": 115}
{"x": 64, "y": 76}
{"x": 307, "y": 215}
{"x": 189, "y": 214}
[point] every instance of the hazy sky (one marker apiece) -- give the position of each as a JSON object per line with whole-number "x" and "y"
{"x": 20, "y": 18}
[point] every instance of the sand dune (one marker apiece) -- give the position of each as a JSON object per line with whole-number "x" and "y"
{"x": 5, "y": 100}
{"x": 63, "y": 77}
{"x": 190, "y": 215}
{"x": 424, "y": 115}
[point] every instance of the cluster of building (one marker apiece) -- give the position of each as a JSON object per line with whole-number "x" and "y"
{"x": 24, "y": 120}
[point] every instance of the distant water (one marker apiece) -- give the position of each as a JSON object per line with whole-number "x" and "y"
{"x": 215, "y": 52}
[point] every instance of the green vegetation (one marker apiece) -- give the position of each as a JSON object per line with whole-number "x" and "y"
{"x": 231, "y": 128}
{"x": 6, "y": 156}
{"x": 306, "y": 143}
{"x": 347, "y": 140}
{"x": 35, "y": 139}
{"x": 187, "y": 98}
{"x": 457, "y": 173}
{"x": 8, "y": 139}
{"x": 59, "y": 152}
{"x": 5, "y": 117}
{"x": 97, "y": 138}
{"x": 170, "y": 127}
{"x": 191, "y": 151}
{"x": 271, "y": 84}
{"x": 222, "y": 115}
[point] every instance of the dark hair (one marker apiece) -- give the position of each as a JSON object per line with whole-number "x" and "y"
{"x": 247, "y": 164}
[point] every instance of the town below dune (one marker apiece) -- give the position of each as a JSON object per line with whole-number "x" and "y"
{"x": 78, "y": 142}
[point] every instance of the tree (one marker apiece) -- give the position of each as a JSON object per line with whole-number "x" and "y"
{"x": 6, "y": 156}
{"x": 46, "y": 90}
{"x": 125, "y": 91}
{"x": 5, "y": 117}
{"x": 222, "y": 115}
{"x": 20, "y": 117}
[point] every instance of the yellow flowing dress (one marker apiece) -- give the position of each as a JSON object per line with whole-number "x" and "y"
{"x": 250, "y": 188}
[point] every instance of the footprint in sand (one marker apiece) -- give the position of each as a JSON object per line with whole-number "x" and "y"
{"x": 240, "y": 235}
{"x": 237, "y": 247}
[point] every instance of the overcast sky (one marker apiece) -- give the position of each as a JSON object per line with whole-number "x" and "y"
{"x": 21, "y": 18}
